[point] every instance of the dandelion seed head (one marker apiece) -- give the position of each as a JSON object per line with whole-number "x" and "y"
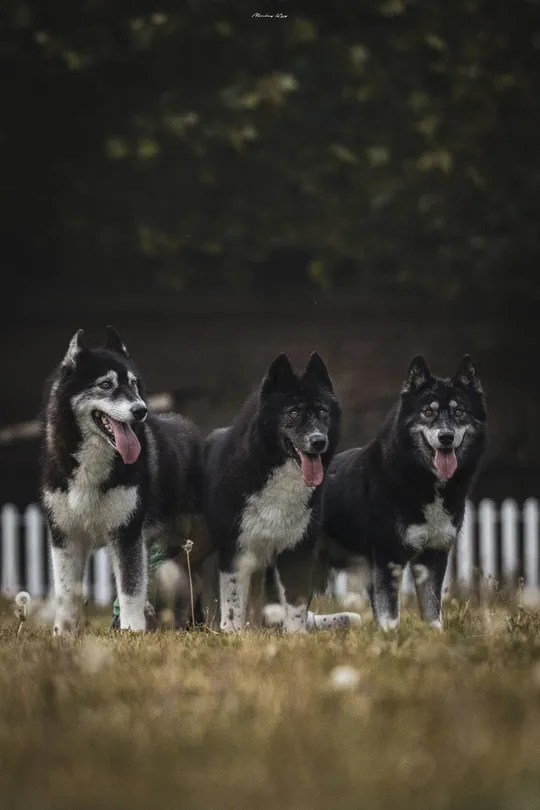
{"x": 23, "y": 599}
{"x": 188, "y": 546}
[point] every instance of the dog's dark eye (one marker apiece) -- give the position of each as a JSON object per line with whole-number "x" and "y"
{"x": 323, "y": 413}
{"x": 459, "y": 412}
{"x": 293, "y": 414}
{"x": 105, "y": 384}
{"x": 427, "y": 412}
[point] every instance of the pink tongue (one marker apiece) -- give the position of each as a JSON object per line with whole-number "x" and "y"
{"x": 312, "y": 471}
{"x": 446, "y": 463}
{"x": 125, "y": 440}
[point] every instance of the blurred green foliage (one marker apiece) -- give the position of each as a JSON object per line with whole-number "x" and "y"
{"x": 376, "y": 146}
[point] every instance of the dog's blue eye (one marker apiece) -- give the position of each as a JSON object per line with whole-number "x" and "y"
{"x": 105, "y": 384}
{"x": 458, "y": 412}
{"x": 427, "y": 413}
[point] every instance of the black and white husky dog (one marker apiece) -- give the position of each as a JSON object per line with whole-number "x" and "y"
{"x": 262, "y": 493}
{"x": 402, "y": 498}
{"x": 113, "y": 474}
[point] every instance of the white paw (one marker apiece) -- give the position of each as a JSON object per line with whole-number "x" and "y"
{"x": 352, "y": 619}
{"x": 65, "y": 627}
{"x": 227, "y": 626}
{"x": 387, "y": 624}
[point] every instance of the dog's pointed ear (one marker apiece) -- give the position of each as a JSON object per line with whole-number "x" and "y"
{"x": 467, "y": 375}
{"x": 280, "y": 375}
{"x": 75, "y": 349}
{"x": 114, "y": 341}
{"x": 316, "y": 370}
{"x": 418, "y": 375}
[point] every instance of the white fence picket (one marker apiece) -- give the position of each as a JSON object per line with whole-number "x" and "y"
{"x": 487, "y": 518}
{"x": 465, "y": 548}
{"x": 509, "y": 541}
{"x": 530, "y": 518}
{"x": 10, "y": 549}
{"x": 35, "y": 550}
{"x": 103, "y": 590}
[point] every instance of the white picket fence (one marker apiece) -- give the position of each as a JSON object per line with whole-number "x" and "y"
{"x": 502, "y": 542}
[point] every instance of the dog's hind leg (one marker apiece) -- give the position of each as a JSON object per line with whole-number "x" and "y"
{"x": 69, "y": 556}
{"x": 128, "y": 553}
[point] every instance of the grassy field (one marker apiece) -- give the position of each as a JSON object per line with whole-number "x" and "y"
{"x": 178, "y": 720}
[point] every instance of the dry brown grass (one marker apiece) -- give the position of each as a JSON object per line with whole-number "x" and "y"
{"x": 178, "y": 720}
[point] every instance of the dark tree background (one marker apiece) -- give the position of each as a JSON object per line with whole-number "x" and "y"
{"x": 172, "y": 165}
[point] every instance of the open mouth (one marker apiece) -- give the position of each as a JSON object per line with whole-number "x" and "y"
{"x": 310, "y": 465}
{"x": 445, "y": 462}
{"x": 120, "y": 435}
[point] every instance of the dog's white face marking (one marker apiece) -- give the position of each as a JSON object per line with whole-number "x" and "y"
{"x": 83, "y": 507}
{"x": 431, "y": 435}
{"x": 276, "y": 518}
{"x": 111, "y": 377}
{"x": 437, "y": 532}
{"x": 132, "y": 379}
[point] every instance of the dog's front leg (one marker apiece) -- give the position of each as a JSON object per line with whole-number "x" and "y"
{"x": 387, "y": 574}
{"x": 69, "y": 555}
{"x": 428, "y": 571}
{"x": 128, "y": 552}
{"x": 295, "y": 570}
{"x": 233, "y": 596}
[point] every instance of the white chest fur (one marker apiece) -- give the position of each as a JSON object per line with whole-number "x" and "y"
{"x": 276, "y": 518}
{"x": 437, "y": 532}
{"x": 83, "y": 509}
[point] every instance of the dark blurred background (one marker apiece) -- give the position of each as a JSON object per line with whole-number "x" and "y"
{"x": 362, "y": 180}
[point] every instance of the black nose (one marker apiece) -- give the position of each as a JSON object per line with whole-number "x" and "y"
{"x": 446, "y": 438}
{"x": 318, "y": 443}
{"x": 139, "y": 412}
